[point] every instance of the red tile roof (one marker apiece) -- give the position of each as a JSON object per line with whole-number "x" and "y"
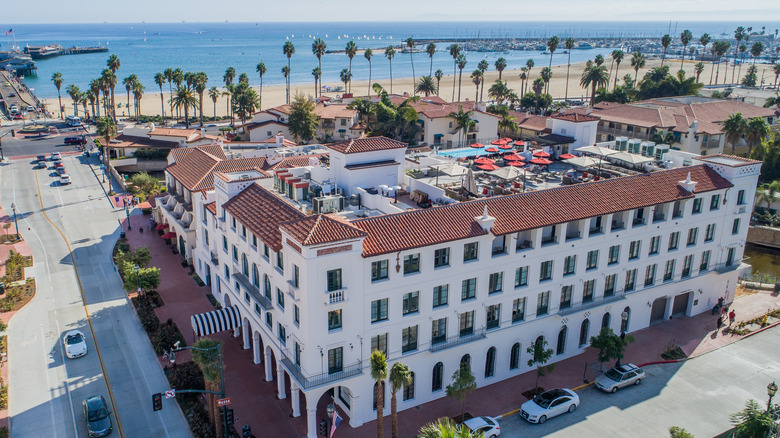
{"x": 194, "y": 167}
{"x": 172, "y": 132}
{"x": 291, "y": 162}
{"x": 262, "y": 213}
{"x": 321, "y": 229}
{"x": 529, "y": 121}
{"x": 418, "y": 228}
{"x": 212, "y": 207}
{"x": 368, "y": 144}
{"x": 214, "y": 150}
{"x": 576, "y": 117}
{"x": 728, "y": 160}
{"x": 131, "y": 141}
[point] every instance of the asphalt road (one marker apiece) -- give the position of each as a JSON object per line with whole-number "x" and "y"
{"x": 698, "y": 395}
{"x": 16, "y": 146}
{"x": 46, "y": 390}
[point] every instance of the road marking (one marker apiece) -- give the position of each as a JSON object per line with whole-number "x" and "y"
{"x": 67, "y": 377}
{"x": 86, "y": 311}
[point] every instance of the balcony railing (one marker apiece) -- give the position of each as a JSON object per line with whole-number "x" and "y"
{"x": 322, "y": 378}
{"x": 572, "y": 236}
{"x": 618, "y": 226}
{"x": 336, "y": 296}
{"x": 658, "y": 218}
{"x": 616, "y": 296}
{"x": 454, "y": 341}
{"x": 253, "y": 290}
{"x": 522, "y": 244}
{"x": 548, "y": 240}
{"x": 638, "y": 221}
{"x": 594, "y": 230}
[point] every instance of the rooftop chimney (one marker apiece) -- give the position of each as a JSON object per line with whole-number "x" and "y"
{"x": 279, "y": 139}
{"x": 688, "y": 185}
{"x": 202, "y": 132}
{"x": 486, "y": 221}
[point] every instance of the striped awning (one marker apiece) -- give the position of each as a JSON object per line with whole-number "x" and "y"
{"x": 204, "y": 324}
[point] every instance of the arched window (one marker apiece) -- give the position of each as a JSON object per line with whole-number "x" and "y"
{"x": 255, "y": 276}
{"x": 561, "y": 347}
{"x": 539, "y": 345}
{"x": 376, "y": 385}
{"x": 438, "y": 377}
{"x": 466, "y": 359}
{"x": 624, "y": 320}
{"x": 490, "y": 362}
{"x": 266, "y": 286}
{"x": 584, "y": 332}
{"x": 605, "y": 320}
{"x": 409, "y": 389}
{"x": 244, "y": 265}
{"x": 514, "y": 357}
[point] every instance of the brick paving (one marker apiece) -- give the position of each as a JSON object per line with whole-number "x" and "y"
{"x": 254, "y": 400}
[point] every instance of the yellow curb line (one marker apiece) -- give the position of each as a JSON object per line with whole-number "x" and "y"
{"x": 582, "y": 386}
{"x": 510, "y": 413}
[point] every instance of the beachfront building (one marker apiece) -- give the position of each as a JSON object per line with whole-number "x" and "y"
{"x": 336, "y": 122}
{"x": 528, "y": 125}
{"x": 184, "y": 137}
{"x": 320, "y": 278}
{"x": 695, "y": 122}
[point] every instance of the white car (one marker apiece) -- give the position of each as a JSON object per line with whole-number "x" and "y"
{"x": 56, "y": 156}
{"x": 487, "y": 426}
{"x": 65, "y": 179}
{"x": 620, "y": 377}
{"x": 549, "y": 404}
{"x": 75, "y": 344}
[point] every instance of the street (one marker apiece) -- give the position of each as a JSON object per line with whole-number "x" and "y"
{"x": 697, "y": 395}
{"x": 45, "y": 389}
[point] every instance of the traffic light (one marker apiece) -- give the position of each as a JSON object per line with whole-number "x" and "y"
{"x": 324, "y": 428}
{"x": 157, "y": 401}
{"x": 229, "y": 420}
{"x": 246, "y": 431}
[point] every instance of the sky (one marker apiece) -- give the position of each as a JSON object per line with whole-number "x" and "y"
{"x": 96, "y": 11}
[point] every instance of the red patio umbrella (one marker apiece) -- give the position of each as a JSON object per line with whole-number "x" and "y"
{"x": 541, "y": 161}
{"x": 478, "y": 145}
{"x": 499, "y": 141}
{"x": 489, "y": 166}
{"x": 161, "y": 227}
{"x": 169, "y": 235}
{"x": 519, "y": 143}
{"x": 491, "y": 150}
{"x": 516, "y": 163}
{"x": 513, "y": 157}
{"x": 505, "y": 146}
{"x": 483, "y": 160}
{"x": 541, "y": 154}
{"x": 566, "y": 156}
{"x": 506, "y": 139}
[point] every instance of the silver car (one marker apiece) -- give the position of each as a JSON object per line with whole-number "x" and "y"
{"x": 619, "y": 377}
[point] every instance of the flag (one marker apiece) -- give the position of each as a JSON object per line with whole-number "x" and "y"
{"x": 9, "y": 31}
{"x": 336, "y": 422}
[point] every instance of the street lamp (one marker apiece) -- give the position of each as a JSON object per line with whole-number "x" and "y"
{"x": 16, "y": 223}
{"x": 771, "y": 390}
{"x": 623, "y": 324}
{"x": 127, "y": 213}
{"x": 330, "y": 409}
{"x": 137, "y": 269}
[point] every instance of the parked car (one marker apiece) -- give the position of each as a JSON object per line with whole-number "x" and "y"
{"x": 30, "y": 108}
{"x": 97, "y": 416}
{"x": 42, "y": 164}
{"x": 56, "y": 156}
{"x": 620, "y": 377}
{"x": 11, "y": 94}
{"x": 17, "y": 116}
{"x": 79, "y": 139}
{"x": 60, "y": 170}
{"x": 58, "y": 164}
{"x": 65, "y": 179}
{"x": 75, "y": 344}
{"x": 41, "y": 157}
{"x": 487, "y": 426}
{"x": 549, "y": 404}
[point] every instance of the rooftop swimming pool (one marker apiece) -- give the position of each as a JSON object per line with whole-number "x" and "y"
{"x": 464, "y": 152}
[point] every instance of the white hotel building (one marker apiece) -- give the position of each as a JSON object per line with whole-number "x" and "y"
{"x": 477, "y": 281}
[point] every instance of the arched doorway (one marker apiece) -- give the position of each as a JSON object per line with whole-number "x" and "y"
{"x": 514, "y": 357}
{"x": 560, "y": 347}
{"x": 539, "y": 344}
{"x": 340, "y": 398}
{"x": 246, "y": 328}
{"x": 605, "y": 320}
{"x": 490, "y": 362}
{"x": 584, "y": 332}
{"x": 625, "y": 319}
{"x": 437, "y": 377}
{"x": 466, "y": 359}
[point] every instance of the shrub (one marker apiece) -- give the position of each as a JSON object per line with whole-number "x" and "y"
{"x": 186, "y": 376}
{"x": 166, "y": 335}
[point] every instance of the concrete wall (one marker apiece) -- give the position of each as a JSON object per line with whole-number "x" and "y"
{"x": 766, "y": 236}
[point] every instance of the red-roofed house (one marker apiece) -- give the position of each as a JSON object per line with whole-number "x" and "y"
{"x": 336, "y": 122}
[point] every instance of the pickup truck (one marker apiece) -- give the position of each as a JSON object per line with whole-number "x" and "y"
{"x": 77, "y": 140}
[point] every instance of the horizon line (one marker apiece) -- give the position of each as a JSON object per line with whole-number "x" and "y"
{"x": 485, "y": 21}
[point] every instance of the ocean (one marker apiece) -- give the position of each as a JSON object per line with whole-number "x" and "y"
{"x": 147, "y": 48}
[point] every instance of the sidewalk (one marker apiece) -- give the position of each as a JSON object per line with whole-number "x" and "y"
{"x": 254, "y": 401}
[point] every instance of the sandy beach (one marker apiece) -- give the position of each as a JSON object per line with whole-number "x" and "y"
{"x": 275, "y": 95}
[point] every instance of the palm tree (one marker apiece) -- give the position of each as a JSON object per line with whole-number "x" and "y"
{"x": 168, "y": 73}
{"x": 83, "y": 100}
{"x": 185, "y": 99}
{"x": 389, "y": 54}
{"x": 704, "y": 40}
{"x": 106, "y": 128}
{"x": 128, "y": 82}
{"x": 482, "y": 66}
{"x": 698, "y": 68}
{"x": 57, "y": 79}
{"x": 569, "y": 44}
{"x": 109, "y": 78}
{"x": 666, "y": 40}
{"x": 426, "y": 86}
{"x": 261, "y": 70}
{"x": 95, "y": 87}
{"x": 286, "y": 74}
{"x": 739, "y": 35}
{"x": 113, "y": 64}
{"x": 351, "y": 51}
{"x": 246, "y": 101}
{"x": 598, "y": 60}
{"x": 138, "y": 93}
{"x": 776, "y": 70}
{"x": 500, "y": 65}
{"x": 476, "y": 78}
{"x": 200, "y": 83}
{"x": 440, "y": 74}
{"x": 596, "y": 76}
{"x": 345, "y": 76}
{"x": 410, "y": 45}
{"x": 400, "y": 375}
{"x": 378, "y": 365}
{"x": 637, "y": 61}
{"x": 367, "y": 54}
{"x": 318, "y": 47}
{"x": 617, "y": 56}
{"x": 461, "y": 65}
{"x": 214, "y": 95}
{"x": 723, "y": 50}
{"x": 317, "y": 73}
{"x": 228, "y": 77}
{"x": 364, "y": 108}
{"x": 685, "y": 39}
{"x": 454, "y": 52}
{"x": 159, "y": 79}
{"x": 463, "y": 121}
{"x": 546, "y": 75}
{"x": 288, "y": 49}
{"x": 552, "y": 44}
{"x": 90, "y": 95}
{"x": 757, "y": 129}
{"x": 529, "y": 65}
{"x": 523, "y": 79}
{"x": 734, "y": 128}
{"x": 537, "y": 87}
{"x": 206, "y": 355}
{"x": 742, "y": 50}
{"x": 430, "y": 49}
{"x": 755, "y": 50}
{"x": 446, "y": 428}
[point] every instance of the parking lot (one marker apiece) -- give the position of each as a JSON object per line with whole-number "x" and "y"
{"x": 18, "y": 146}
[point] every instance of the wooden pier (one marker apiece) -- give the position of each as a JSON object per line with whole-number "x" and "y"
{"x": 44, "y": 52}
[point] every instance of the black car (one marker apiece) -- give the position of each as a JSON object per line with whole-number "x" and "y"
{"x": 79, "y": 139}
{"x": 97, "y": 416}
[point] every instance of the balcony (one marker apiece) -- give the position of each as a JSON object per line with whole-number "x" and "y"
{"x": 319, "y": 379}
{"x": 638, "y": 221}
{"x": 454, "y": 341}
{"x": 253, "y": 290}
{"x": 328, "y": 125}
{"x": 595, "y": 231}
{"x": 336, "y": 296}
{"x": 549, "y": 240}
{"x": 617, "y": 226}
{"x": 523, "y": 244}
{"x": 617, "y": 296}
{"x": 499, "y": 250}
{"x": 573, "y": 236}
{"x": 659, "y": 218}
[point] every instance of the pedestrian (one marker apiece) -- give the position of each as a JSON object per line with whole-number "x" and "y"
{"x": 720, "y": 323}
{"x": 732, "y": 317}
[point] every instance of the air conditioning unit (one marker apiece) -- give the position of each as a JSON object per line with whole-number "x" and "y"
{"x": 328, "y": 204}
